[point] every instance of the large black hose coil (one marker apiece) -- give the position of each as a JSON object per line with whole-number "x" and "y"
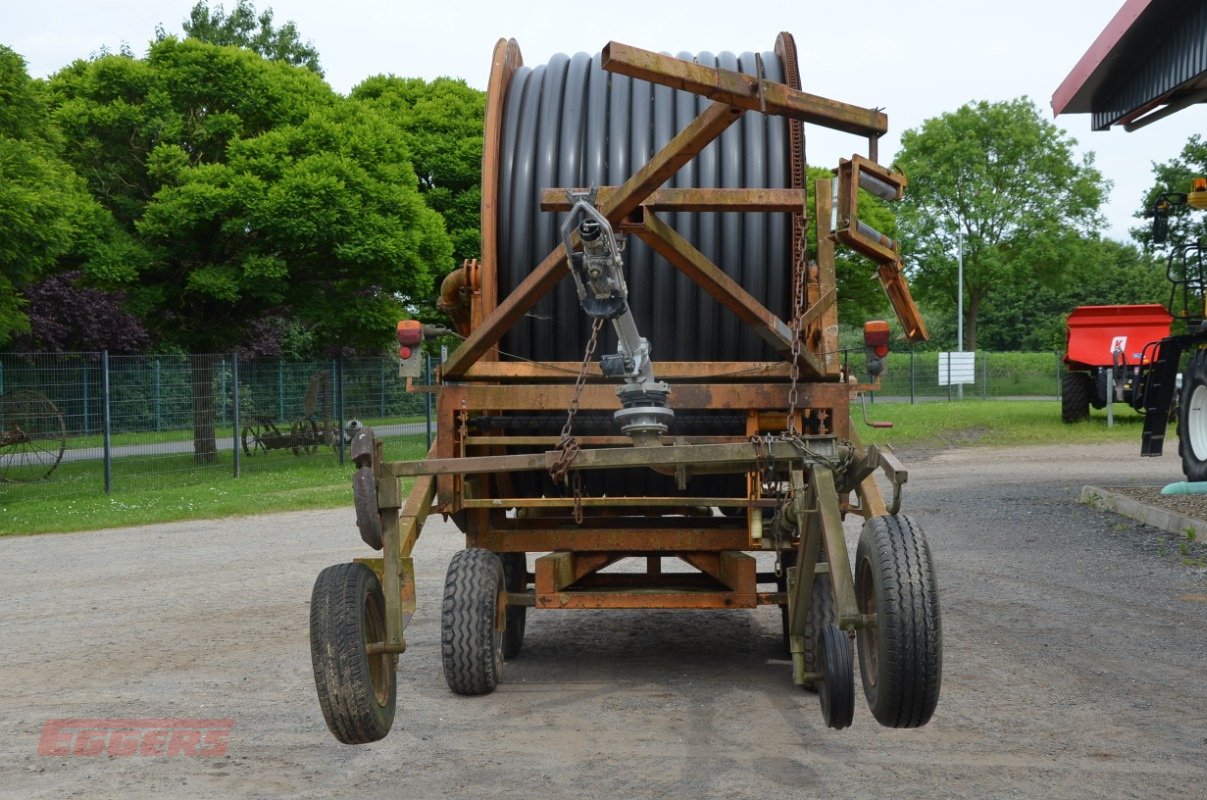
{"x": 569, "y": 123}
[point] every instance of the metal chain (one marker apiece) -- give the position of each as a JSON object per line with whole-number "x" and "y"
{"x": 567, "y": 447}
{"x": 798, "y": 305}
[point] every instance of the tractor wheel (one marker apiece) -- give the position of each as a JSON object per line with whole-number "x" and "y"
{"x": 901, "y": 652}
{"x": 472, "y": 620}
{"x": 357, "y": 692}
{"x": 1192, "y": 420}
{"x": 1076, "y": 389}
{"x": 836, "y": 690}
{"x": 821, "y": 613}
{"x": 515, "y": 579}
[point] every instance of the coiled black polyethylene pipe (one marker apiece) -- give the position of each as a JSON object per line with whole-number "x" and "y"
{"x": 568, "y": 123}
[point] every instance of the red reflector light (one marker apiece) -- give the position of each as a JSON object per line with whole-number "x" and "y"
{"x": 410, "y": 332}
{"x": 404, "y": 353}
{"x": 876, "y": 336}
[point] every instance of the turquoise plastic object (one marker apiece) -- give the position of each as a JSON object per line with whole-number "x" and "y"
{"x": 1186, "y": 487}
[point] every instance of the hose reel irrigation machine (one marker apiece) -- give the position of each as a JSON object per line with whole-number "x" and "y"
{"x": 654, "y": 209}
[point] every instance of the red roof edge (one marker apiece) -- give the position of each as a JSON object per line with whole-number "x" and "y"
{"x": 1099, "y": 50}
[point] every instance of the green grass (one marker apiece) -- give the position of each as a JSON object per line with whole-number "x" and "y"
{"x": 149, "y": 489}
{"x": 991, "y": 422}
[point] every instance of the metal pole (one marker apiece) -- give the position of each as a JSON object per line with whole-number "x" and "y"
{"x": 911, "y": 374}
{"x": 949, "y": 376}
{"x": 222, "y": 388}
{"x": 427, "y": 397}
{"x": 106, "y": 432}
{"x": 959, "y": 305}
{"x": 339, "y": 391}
{"x": 1, "y": 377}
{"x": 87, "y": 427}
{"x": 1110, "y": 398}
{"x": 158, "y": 398}
{"x": 235, "y": 413}
{"x": 280, "y": 388}
{"x": 381, "y": 374}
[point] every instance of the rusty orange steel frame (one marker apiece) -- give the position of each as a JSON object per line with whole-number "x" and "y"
{"x": 474, "y": 483}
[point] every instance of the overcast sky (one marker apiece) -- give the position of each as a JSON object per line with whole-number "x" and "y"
{"x": 914, "y": 59}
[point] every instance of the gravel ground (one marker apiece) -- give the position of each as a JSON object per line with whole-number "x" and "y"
{"x": 1073, "y": 665}
{"x": 1192, "y": 505}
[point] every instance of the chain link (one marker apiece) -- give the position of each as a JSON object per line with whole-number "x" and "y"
{"x": 798, "y": 306}
{"x": 568, "y": 447}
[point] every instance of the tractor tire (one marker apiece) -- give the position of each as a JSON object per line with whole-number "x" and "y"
{"x": 1076, "y": 391}
{"x": 1192, "y": 418}
{"x": 472, "y": 620}
{"x": 515, "y": 578}
{"x": 821, "y": 613}
{"x": 836, "y": 690}
{"x": 357, "y": 692}
{"x": 901, "y": 653}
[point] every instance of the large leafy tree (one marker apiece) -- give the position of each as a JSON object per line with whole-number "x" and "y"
{"x": 253, "y": 190}
{"x": 1004, "y": 181}
{"x": 47, "y": 217}
{"x": 245, "y": 28}
{"x": 442, "y": 123}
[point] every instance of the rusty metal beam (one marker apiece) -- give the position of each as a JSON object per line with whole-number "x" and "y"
{"x": 648, "y": 538}
{"x": 713, "y": 458}
{"x": 722, "y": 396}
{"x": 745, "y": 91}
{"x": 617, "y": 502}
{"x": 673, "y": 371}
{"x": 697, "y": 199}
{"x": 556, "y": 571}
{"x": 647, "y": 598}
{"x": 665, "y": 163}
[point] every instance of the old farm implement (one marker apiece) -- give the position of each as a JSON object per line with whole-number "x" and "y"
{"x": 32, "y": 436}
{"x": 654, "y": 209}
{"x": 306, "y": 434}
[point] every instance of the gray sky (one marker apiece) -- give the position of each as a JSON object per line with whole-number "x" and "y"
{"x": 914, "y": 59}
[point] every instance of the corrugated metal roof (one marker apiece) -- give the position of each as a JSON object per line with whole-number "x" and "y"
{"x": 1152, "y": 54}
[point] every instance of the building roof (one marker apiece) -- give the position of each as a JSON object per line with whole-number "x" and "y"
{"x": 1149, "y": 61}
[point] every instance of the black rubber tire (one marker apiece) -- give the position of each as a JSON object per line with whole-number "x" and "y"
{"x": 357, "y": 692}
{"x": 821, "y": 613}
{"x": 1192, "y": 418}
{"x": 836, "y": 690}
{"x": 1076, "y": 389}
{"x": 472, "y": 620}
{"x": 364, "y": 496}
{"x": 901, "y": 654}
{"x": 515, "y": 578}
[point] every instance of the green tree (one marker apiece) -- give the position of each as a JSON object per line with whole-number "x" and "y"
{"x": 256, "y": 191}
{"x": 1004, "y": 181}
{"x": 243, "y": 27}
{"x": 46, "y": 215}
{"x": 1185, "y": 224}
{"x": 1029, "y": 313}
{"x": 442, "y": 125}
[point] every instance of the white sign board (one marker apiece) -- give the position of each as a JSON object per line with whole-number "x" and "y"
{"x": 957, "y": 368}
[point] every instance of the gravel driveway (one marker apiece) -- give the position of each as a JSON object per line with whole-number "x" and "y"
{"x": 1075, "y": 664}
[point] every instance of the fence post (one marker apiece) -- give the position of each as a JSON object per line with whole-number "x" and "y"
{"x": 339, "y": 393}
{"x": 106, "y": 433}
{"x": 221, "y": 390}
{"x": 158, "y": 399}
{"x": 84, "y": 367}
{"x": 235, "y": 411}
{"x": 911, "y": 373}
{"x": 1058, "y": 386}
{"x": 280, "y": 388}
{"x": 427, "y": 397}
{"x": 381, "y": 374}
{"x": 1, "y": 377}
{"x": 985, "y": 375}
